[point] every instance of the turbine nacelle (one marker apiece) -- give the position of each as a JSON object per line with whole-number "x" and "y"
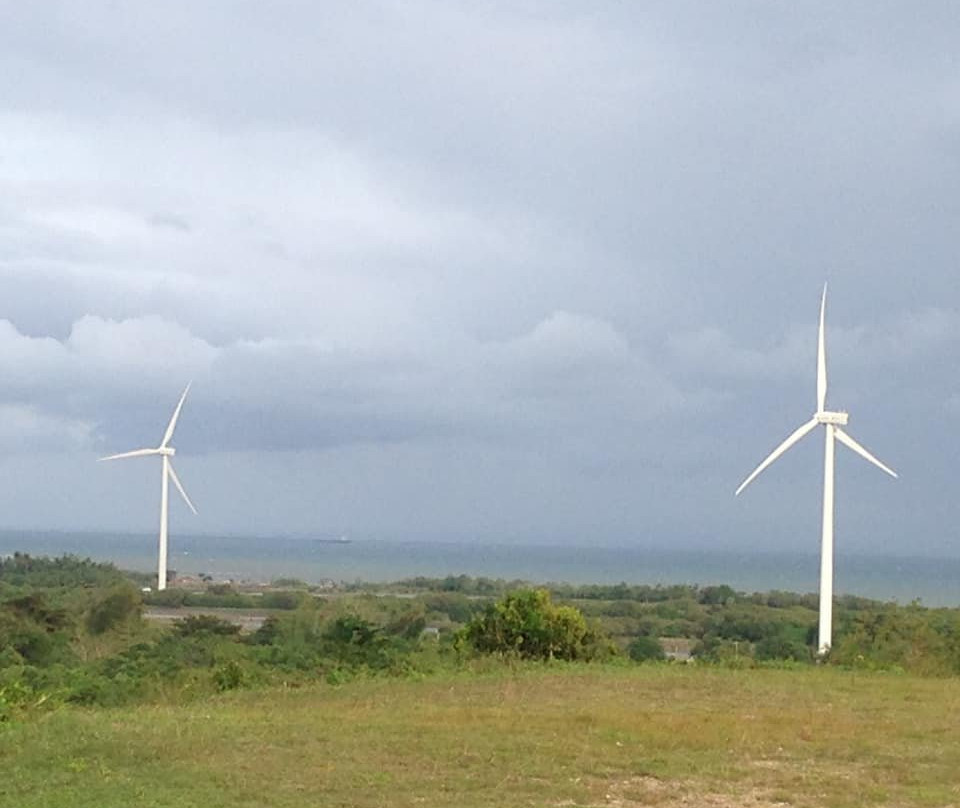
{"x": 835, "y": 418}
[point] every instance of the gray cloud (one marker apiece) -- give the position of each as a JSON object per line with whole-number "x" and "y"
{"x": 557, "y": 267}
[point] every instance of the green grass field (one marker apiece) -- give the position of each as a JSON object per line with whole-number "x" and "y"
{"x": 532, "y": 736}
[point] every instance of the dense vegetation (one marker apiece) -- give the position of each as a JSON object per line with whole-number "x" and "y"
{"x": 528, "y": 625}
{"x": 74, "y": 631}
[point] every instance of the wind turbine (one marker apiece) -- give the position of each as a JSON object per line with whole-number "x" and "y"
{"x": 834, "y": 423}
{"x": 166, "y": 452}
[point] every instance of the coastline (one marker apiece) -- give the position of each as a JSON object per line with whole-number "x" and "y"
{"x": 934, "y": 581}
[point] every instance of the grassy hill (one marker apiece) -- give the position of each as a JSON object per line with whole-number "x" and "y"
{"x": 530, "y": 735}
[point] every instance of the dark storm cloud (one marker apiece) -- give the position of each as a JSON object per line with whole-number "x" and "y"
{"x": 432, "y": 243}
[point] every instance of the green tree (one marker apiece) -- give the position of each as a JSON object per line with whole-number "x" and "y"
{"x": 781, "y": 646}
{"x": 528, "y": 624}
{"x": 353, "y": 642}
{"x": 909, "y": 637}
{"x": 646, "y": 649}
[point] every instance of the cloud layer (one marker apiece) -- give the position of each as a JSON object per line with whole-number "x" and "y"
{"x": 510, "y": 271}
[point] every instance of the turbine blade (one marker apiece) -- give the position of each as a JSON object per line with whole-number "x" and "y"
{"x": 176, "y": 482}
{"x": 822, "y": 356}
{"x": 846, "y": 440}
{"x": 136, "y": 453}
{"x": 794, "y": 437}
{"x": 173, "y": 421}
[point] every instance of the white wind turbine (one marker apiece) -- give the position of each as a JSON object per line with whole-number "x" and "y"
{"x": 166, "y": 452}
{"x": 833, "y": 421}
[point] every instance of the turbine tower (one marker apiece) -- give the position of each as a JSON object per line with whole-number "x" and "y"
{"x": 166, "y": 452}
{"x": 833, "y": 423}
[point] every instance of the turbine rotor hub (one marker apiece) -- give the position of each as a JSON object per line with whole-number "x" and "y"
{"x": 169, "y": 451}
{"x": 835, "y": 418}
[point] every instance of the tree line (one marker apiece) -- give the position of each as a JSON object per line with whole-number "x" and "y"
{"x": 73, "y": 631}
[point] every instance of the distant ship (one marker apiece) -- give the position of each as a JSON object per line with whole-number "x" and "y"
{"x": 339, "y": 540}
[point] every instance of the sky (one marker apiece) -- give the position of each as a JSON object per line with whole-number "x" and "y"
{"x": 508, "y": 272}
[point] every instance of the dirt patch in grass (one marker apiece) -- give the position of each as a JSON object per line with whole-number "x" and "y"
{"x": 653, "y": 792}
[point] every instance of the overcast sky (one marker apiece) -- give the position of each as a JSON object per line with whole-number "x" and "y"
{"x": 501, "y": 271}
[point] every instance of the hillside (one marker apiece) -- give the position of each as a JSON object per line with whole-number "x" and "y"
{"x": 523, "y": 736}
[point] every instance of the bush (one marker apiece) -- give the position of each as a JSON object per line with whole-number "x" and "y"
{"x": 529, "y": 625}
{"x": 282, "y": 599}
{"x": 782, "y": 647}
{"x": 289, "y": 583}
{"x": 172, "y": 598}
{"x": 117, "y": 607}
{"x": 905, "y": 637}
{"x": 354, "y": 642}
{"x": 646, "y": 649}
{"x": 33, "y": 632}
{"x": 408, "y": 625}
{"x": 22, "y": 569}
{"x": 228, "y": 676}
{"x": 722, "y": 595}
{"x": 457, "y": 607}
{"x": 205, "y": 624}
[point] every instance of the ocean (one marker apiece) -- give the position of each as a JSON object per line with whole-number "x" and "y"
{"x": 933, "y": 581}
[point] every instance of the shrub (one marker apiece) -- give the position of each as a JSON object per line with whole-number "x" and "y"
{"x": 408, "y": 625}
{"x": 22, "y": 569}
{"x": 268, "y": 633}
{"x": 354, "y": 642}
{"x": 173, "y": 598}
{"x": 905, "y": 637}
{"x": 528, "y": 624}
{"x": 782, "y": 647}
{"x": 33, "y": 632}
{"x": 289, "y": 583}
{"x": 205, "y": 624}
{"x": 281, "y": 599}
{"x": 457, "y": 607}
{"x": 118, "y": 606}
{"x": 646, "y": 649}
{"x": 228, "y": 676}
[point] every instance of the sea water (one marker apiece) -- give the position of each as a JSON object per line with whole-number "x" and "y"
{"x": 933, "y": 581}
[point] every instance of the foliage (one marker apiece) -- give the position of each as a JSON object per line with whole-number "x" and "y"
{"x": 350, "y": 641}
{"x": 455, "y": 606}
{"x": 33, "y": 632}
{"x": 200, "y": 624}
{"x": 221, "y": 596}
{"x": 462, "y": 584}
{"x": 910, "y": 637}
{"x": 282, "y": 599}
{"x": 289, "y": 583}
{"x": 228, "y": 676}
{"x": 717, "y": 595}
{"x": 646, "y": 649}
{"x": 120, "y": 604}
{"x": 529, "y": 625}
{"x": 781, "y": 646}
{"x": 24, "y": 570}
{"x": 71, "y": 632}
